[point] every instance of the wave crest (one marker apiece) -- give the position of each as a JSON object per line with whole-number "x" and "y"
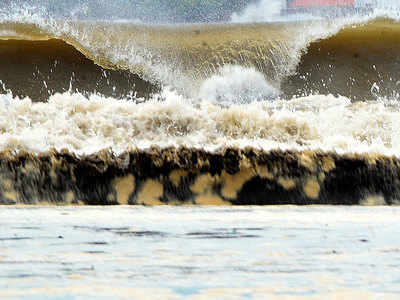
{"x": 296, "y": 58}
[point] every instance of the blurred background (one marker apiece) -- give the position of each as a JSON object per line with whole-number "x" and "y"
{"x": 191, "y": 11}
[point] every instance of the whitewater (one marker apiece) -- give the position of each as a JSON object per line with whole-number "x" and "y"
{"x": 86, "y": 125}
{"x": 263, "y": 109}
{"x": 283, "y": 85}
{"x": 144, "y": 160}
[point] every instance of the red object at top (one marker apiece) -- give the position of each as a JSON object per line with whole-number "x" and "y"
{"x": 316, "y": 3}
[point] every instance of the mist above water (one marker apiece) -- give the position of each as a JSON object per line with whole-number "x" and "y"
{"x": 261, "y": 11}
{"x": 150, "y": 11}
{"x": 170, "y": 12}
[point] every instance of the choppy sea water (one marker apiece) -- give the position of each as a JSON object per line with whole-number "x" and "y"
{"x": 281, "y": 252}
{"x": 74, "y": 89}
{"x": 261, "y": 109}
{"x": 329, "y": 84}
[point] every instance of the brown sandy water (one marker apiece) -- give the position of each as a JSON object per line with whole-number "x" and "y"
{"x": 219, "y": 125}
{"x": 94, "y": 57}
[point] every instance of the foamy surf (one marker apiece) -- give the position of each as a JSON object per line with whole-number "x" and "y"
{"x": 100, "y": 112}
{"x": 88, "y": 125}
{"x": 281, "y": 111}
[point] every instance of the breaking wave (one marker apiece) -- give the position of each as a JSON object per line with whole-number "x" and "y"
{"x": 88, "y": 125}
{"x": 356, "y": 60}
{"x": 99, "y": 112}
{"x": 207, "y": 86}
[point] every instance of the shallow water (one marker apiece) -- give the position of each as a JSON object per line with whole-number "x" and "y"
{"x": 281, "y": 252}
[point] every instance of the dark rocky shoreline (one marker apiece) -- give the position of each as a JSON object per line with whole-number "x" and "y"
{"x": 189, "y": 176}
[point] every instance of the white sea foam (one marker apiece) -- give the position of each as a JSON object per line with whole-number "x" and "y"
{"x": 262, "y": 11}
{"x": 235, "y": 106}
{"x": 85, "y": 125}
{"x": 237, "y": 85}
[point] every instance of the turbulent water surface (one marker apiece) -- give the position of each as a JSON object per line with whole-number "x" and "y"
{"x": 314, "y": 84}
{"x": 286, "y": 110}
{"x": 82, "y": 86}
{"x": 199, "y": 253}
